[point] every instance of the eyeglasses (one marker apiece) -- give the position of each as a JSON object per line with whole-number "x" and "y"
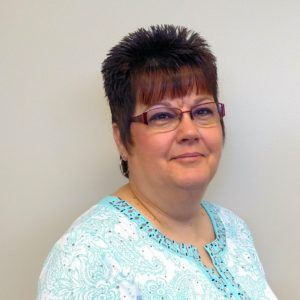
{"x": 168, "y": 118}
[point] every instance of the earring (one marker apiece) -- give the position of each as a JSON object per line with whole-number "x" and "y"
{"x": 123, "y": 166}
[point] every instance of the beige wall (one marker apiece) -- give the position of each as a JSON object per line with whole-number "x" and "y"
{"x": 57, "y": 156}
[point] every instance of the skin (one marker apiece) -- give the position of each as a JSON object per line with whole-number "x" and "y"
{"x": 169, "y": 173}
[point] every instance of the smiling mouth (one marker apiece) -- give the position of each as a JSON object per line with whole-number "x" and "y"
{"x": 189, "y": 156}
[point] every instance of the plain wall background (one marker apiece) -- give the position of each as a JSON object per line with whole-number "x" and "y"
{"x": 57, "y": 156}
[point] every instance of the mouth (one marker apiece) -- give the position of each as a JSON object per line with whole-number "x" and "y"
{"x": 191, "y": 156}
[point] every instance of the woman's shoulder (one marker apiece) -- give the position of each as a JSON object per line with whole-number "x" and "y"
{"x": 101, "y": 210}
{"x": 99, "y": 216}
{"x": 88, "y": 229}
{"x": 234, "y": 225}
{"x": 223, "y": 212}
{"x": 85, "y": 246}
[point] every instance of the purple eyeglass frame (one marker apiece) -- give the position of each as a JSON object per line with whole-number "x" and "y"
{"x": 142, "y": 118}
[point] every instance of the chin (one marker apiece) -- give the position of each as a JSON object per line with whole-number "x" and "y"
{"x": 191, "y": 176}
{"x": 192, "y": 182}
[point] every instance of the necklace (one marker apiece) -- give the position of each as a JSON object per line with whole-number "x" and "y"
{"x": 143, "y": 208}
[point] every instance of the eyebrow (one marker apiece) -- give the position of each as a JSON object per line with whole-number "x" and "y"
{"x": 204, "y": 99}
{"x": 197, "y": 101}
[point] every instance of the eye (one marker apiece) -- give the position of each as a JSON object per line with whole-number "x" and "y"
{"x": 161, "y": 115}
{"x": 203, "y": 111}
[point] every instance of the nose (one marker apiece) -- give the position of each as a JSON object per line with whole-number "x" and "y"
{"x": 187, "y": 131}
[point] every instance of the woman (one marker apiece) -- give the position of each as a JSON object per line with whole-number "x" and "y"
{"x": 155, "y": 238}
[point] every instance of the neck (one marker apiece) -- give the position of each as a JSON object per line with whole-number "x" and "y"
{"x": 178, "y": 215}
{"x": 177, "y": 205}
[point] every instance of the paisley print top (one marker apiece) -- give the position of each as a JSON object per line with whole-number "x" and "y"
{"x": 114, "y": 252}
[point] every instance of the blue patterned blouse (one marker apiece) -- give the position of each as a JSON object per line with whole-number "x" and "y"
{"x": 113, "y": 252}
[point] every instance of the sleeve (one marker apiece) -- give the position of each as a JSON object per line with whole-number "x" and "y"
{"x": 241, "y": 243}
{"x": 251, "y": 262}
{"x": 79, "y": 267}
{"x": 245, "y": 234}
{"x": 76, "y": 269}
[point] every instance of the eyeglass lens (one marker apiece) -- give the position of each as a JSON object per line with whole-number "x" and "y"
{"x": 167, "y": 118}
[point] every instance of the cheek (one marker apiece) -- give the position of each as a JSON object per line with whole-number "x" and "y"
{"x": 150, "y": 149}
{"x": 214, "y": 140}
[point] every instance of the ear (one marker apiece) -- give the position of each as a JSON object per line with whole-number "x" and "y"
{"x": 117, "y": 137}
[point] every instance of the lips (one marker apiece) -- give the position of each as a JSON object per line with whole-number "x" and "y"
{"x": 190, "y": 155}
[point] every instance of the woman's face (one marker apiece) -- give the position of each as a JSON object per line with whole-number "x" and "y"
{"x": 186, "y": 157}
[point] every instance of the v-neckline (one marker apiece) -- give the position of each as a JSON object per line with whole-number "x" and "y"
{"x": 215, "y": 247}
{"x": 222, "y": 279}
